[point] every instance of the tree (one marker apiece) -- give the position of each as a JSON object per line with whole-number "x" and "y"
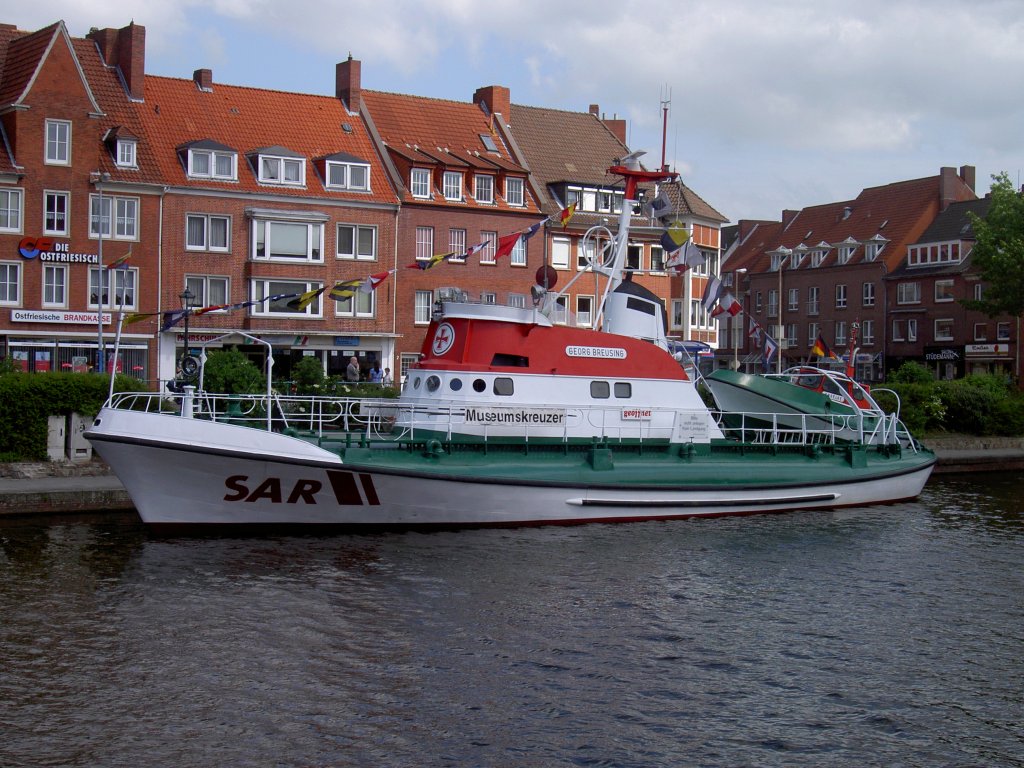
{"x": 998, "y": 253}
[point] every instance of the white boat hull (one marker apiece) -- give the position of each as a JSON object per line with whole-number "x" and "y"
{"x": 190, "y": 472}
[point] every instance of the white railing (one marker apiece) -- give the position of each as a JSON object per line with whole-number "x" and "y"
{"x": 347, "y": 419}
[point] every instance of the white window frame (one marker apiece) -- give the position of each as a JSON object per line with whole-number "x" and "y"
{"x": 115, "y": 282}
{"x": 773, "y": 303}
{"x": 518, "y": 256}
{"x": 483, "y": 188}
{"x": 841, "y": 296}
{"x": 423, "y": 308}
{"x": 867, "y": 295}
{"x": 814, "y": 300}
{"x": 980, "y": 331}
{"x": 560, "y": 249}
{"x": 452, "y": 186}
{"x": 898, "y": 329}
{"x": 424, "y": 243}
{"x": 11, "y": 218}
{"x": 908, "y": 293}
{"x": 419, "y": 183}
{"x": 791, "y": 335}
{"x": 678, "y": 313}
{"x": 125, "y": 211}
{"x": 946, "y": 323}
{"x": 212, "y": 158}
{"x": 634, "y": 257}
{"x": 945, "y": 294}
{"x": 125, "y": 153}
{"x": 361, "y": 304}
{"x": 347, "y": 170}
{"x": 517, "y": 300}
{"x": 911, "y": 329}
{"x": 57, "y": 142}
{"x": 813, "y": 329}
{"x": 584, "y": 315}
{"x": 867, "y": 333}
{"x": 281, "y": 170}
{"x": 840, "y": 333}
{"x": 207, "y": 220}
{"x": 657, "y": 259}
{"x": 490, "y": 241}
{"x": 263, "y": 287}
{"x": 10, "y": 283}
{"x": 54, "y": 214}
{"x": 357, "y": 234}
{"x": 488, "y": 297}
{"x": 263, "y": 229}
{"x": 515, "y": 191}
{"x": 54, "y": 286}
{"x": 457, "y": 245}
{"x": 793, "y": 303}
{"x": 204, "y": 293}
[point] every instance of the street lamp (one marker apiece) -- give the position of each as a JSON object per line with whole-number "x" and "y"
{"x": 732, "y": 318}
{"x": 784, "y": 254}
{"x": 99, "y": 179}
{"x": 186, "y": 296}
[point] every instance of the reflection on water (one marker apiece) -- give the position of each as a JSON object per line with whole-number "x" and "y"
{"x": 880, "y": 636}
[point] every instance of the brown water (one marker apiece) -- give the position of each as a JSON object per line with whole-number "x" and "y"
{"x": 884, "y": 636}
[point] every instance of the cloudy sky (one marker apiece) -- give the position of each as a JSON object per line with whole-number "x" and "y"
{"x": 774, "y": 105}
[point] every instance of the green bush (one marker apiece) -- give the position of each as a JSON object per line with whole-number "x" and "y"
{"x": 230, "y": 372}
{"x": 911, "y": 373}
{"x": 27, "y": 400}
{"x": 309, "y": 377}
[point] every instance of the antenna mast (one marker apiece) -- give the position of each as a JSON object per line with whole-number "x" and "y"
{"x": 665, "y": 102}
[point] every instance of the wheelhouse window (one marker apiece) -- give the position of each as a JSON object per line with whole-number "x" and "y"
{"x": 287, "y": 240}
{"x": 419, "y": 183}
{"x": 118, "y": 217}
{"x": 55, "y": 213}
{"x": 208, "y": 290}
{"x": 55, "y": 285}
{"x": 514, "y": 191}
{"x": 205, "y": 232}
{"x": 483, "y": 188}
{"x": 354, "y": 176}
{"x": 452, "y": 185}
{"x": 424, "y": 307}
{"x": 357, "y": 242}
{"x": 58, "y": 142}
{"x": 10, "y": 284}
{"x": 10, "y": 210}
{"x": 271, "y": 298}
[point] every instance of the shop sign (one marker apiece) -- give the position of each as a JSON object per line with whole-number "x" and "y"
{"x": 45, "y": 249}
{"x": 939, "y": 354}
{"x": 58, "y": 316}
{"x": 988, "y": 350}
{"x": 346, "y": 341}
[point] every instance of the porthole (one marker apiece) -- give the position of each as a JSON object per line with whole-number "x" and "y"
{"x": 433, "y": 383}
{"x": 479, "y": 385}
{"x": 416, "y": 383}
{"x": 455, "y": 384}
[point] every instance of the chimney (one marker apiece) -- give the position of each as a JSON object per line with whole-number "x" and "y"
{"x": 204, "y": 79}
{"x": 106, "y": 41}
{"x": 617, "y": 127}
{"x": 496, "y": 98}
{"x": 131, "y": 57}
{"x": 948, "y": 181}
{"x": 347, "y": 83}
{"x": 967, "y": 176}
{"x": 595, "y": 110}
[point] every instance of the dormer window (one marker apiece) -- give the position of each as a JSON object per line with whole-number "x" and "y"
{"x": 277, "y": 169}
{"x": 210, "y": 160}
{"x": 873, "y": 247}
{"x": 514, "y": 191}
{"x": 419, "y": 183}
{"x": 124, "y": 156}
{"x": 483, "y": 188}
{"x": 347, "y": 173}
{"x": 817, "y": 256}
{"x": 845, "y": 250}
{"x": 452, "y": 185}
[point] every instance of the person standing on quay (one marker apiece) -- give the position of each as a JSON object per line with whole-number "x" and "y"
{"x": 352, "y": 372}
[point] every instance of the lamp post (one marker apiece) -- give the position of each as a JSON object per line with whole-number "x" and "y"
{"x": 784, "y": 255}
{"x": 186, "y": 297}
{"x": 732, "y": 318}
{"x": 99, "y": 179}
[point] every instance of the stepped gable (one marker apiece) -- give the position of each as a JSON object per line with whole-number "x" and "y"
{"x": 177, "y": 112}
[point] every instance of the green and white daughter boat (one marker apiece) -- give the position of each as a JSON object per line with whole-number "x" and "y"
{"x": 508, "y": 419}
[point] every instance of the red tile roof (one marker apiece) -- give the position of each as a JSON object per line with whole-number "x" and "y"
{"x": 177, "y": 111}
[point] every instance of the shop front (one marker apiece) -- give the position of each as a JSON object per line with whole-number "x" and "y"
{"x": 989, "y": 358}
